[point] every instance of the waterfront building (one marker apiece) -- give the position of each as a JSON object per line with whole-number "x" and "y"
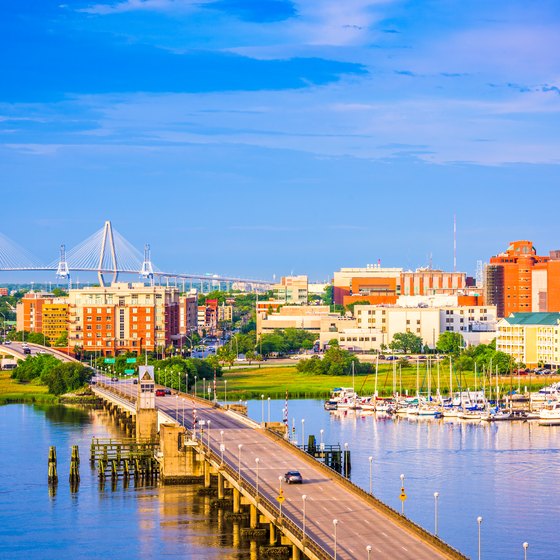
{"x": 292, "y": 290}
{"x": 374, "y": 326}
{"x": 531, "y": 338}
{"x": 519, "y": 280}
{"x": 123, "y": 317}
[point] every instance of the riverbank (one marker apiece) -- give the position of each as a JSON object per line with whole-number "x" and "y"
{"x": 12, "y": 391}
{"x": 274, "y": 381}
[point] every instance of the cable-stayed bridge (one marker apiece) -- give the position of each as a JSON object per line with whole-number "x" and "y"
{"x": 108, "y": 254}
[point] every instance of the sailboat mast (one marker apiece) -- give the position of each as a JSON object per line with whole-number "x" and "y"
{"x": 376, "y": 373}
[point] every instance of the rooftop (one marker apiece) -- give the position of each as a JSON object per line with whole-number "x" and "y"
{"x": 541, "y": 318}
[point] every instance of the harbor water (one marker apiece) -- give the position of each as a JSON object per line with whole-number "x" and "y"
{"x": 504, "y": 472}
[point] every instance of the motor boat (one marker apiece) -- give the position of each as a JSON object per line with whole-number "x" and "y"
{"x": 550, "y": 414}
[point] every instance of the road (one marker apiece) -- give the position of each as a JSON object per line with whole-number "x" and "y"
{"x": 359, "y": 524}
{"x": 15, "y": 349}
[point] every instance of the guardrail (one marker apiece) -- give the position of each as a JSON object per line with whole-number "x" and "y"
{"x": 403, "y": 521}
{"x": 270, "y": 508}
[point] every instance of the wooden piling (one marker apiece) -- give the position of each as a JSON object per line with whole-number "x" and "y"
{"x": 53, "y": 474}
{"x": 74, "y": 477}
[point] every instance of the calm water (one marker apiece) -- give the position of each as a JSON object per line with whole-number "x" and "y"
{"x": 505, "y": 472}
{"x": 93, "y": 523}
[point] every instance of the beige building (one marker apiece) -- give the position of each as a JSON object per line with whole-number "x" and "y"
{"x": 292, "y": 290}
{"x": 306, "y": 317}
{"x": 41, "y": 312}
{"x": 531, "y": 338}
{"x": 123, "y": 317}
{"x": 188, "y": 314}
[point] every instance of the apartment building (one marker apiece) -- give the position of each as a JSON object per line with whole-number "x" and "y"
{"x": 123, "y": 317}
{"x": 531, "y": 338}
{"x": 292, "y": 290}
{"x": 41, "y": 312}
{"x": 188, "y": 314}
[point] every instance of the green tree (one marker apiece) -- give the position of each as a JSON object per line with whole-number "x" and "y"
{"x": 450, "y": 342}
{"x": 328, "y": 295}
{"x": 406, "y": 342}
{"x": 250, "y": 356}
{"x": 65, "y": 377}
{"x": 31, "y": 337}
{"x": 226, "y": 355}
{"x": 62, "y": 340}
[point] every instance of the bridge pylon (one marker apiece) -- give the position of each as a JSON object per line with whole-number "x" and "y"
{"x": 107, "y": 254}
{"x": 62, "y": 270}
{"x": 147, "y": 270}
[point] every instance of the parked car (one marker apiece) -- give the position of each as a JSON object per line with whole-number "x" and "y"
{"x": 293, "y": 477}
{"x": 160, "y": 393}
{"x": 167, "y": 391}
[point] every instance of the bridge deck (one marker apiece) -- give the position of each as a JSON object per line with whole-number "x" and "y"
{"x": 360, "y": 523}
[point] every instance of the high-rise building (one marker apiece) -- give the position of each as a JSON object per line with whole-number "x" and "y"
{"x": 188, "y": 314}
{"x": 519, "y": 280}
{"x": 123, "y": 317}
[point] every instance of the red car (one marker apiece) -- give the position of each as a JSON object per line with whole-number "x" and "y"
{"x": 160, "y": 393}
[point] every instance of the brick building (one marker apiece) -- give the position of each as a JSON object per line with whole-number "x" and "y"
{"x": 123, "y": 317}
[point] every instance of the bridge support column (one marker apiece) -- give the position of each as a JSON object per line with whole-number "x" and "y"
{"x": 253, "y": 516}
{"x": 146, "y": 424}
{"x": 296, "y": 553}
{"x": 272, "y": 535}
{"x": 220, "y": 486}
{"x": 236, "y": 535}
{"x": 253, "y": 550}
{"x": 207, "y": 480}
{"x": 236, "y": 501}
{"x": 174, "y": 465}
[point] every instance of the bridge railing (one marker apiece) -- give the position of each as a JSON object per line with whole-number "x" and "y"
{"x": 271, "y": 509}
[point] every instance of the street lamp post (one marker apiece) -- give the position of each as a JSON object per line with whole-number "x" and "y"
{"x": 436, "y": 496}
{"x": 208, "y": 434}
{"x": 346, "y": 460}
{"x": 303, "y": 433}
{"x": 221, "y": 436}
{"x": 479, "y": 521}
{"x": 525, "y": 547}
{"x": 225, "y": 393}
{"x": 370, "y": 459}
{"x": 304, "y": 499}
{"x": 402, "y": 492}
{"x": 257, "y": 461}
{"x": 195, "y": 380}
{"x": 268, "y": 410}
{"x": 222, "y": 449}
{"x": 262, "y": 409}
{"x": 280, "y": 494}
{"x": 321, "y": 444}
{"x": 368, "y": 550}
{"x": 335, "y": 523}
{"x": 239, "y": 447}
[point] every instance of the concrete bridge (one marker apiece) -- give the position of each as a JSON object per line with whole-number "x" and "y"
{"x": 241, "y": 462}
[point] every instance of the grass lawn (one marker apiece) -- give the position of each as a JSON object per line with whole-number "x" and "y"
{"x": 13, "y": 391}
{"x": 274, "y": 381}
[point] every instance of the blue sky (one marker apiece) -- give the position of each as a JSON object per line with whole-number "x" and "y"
{"x": 273, "y": 136}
